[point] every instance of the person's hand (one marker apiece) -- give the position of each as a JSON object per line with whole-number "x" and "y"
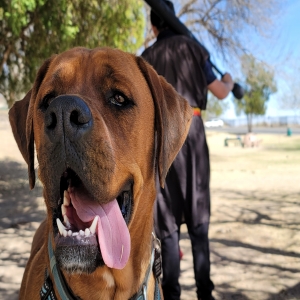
{"x": 227, "y": 79}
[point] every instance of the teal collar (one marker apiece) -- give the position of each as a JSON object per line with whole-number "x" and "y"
{"x": 59, "y": 281}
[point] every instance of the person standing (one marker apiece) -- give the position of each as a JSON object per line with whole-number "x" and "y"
{"x": 186, "y": 196}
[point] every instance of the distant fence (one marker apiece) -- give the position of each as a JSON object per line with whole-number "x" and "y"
{"x": 265, "y": 121}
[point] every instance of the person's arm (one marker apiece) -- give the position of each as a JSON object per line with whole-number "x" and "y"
{"x": 221, "y": 88}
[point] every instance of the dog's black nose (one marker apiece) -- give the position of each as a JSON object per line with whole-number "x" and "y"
{"x": 68, "y": 115}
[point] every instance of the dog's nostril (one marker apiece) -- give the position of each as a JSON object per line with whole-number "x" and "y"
{"x": 51, "y": 121}
{"x": 74, "y": 118}
{"x": 78, "y": 118}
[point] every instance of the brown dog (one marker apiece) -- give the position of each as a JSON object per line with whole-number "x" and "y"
{"x": 102, "y": 122}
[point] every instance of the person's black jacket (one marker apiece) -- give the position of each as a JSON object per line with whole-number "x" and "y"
{"x": 180, "y": 60}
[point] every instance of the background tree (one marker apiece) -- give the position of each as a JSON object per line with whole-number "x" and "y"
{"x": 33, "y": 30}
{"x": 259, "y": 85}
{"x": 214, "y": 108}
{"x": 291, "y": 96}
{"x": 225, "y": 25}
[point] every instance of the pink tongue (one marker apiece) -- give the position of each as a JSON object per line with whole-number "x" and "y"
{"x": 113, "y": 234}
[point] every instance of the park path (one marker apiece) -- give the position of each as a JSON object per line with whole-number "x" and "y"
{"x": 254, "y": 232}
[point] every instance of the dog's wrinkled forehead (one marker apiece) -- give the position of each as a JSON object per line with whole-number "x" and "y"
{"x": 101, "y": 66}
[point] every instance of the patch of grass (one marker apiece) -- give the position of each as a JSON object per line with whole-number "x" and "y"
{"x": 282, "y": 143}
{"x": 273, "y": 165}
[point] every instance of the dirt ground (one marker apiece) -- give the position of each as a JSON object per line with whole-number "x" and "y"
{"x": 254, "y": 231}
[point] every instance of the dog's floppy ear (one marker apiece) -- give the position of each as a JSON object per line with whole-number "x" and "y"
{"x": 17, "y": 119}
{"x": 20, "y": 118}
{"x": 173, "y": 117}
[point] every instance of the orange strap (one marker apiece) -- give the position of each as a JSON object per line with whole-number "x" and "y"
{"x": 197, "y": 111}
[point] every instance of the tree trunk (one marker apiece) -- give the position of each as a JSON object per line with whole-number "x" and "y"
{"x": 5, "y": 57}
{"x": 249, "y": 122}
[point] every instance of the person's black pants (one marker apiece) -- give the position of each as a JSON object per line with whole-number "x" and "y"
{"x": 171, "y": 263}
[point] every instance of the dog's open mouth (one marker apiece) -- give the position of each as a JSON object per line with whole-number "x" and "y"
{"x": 89, "y": 233}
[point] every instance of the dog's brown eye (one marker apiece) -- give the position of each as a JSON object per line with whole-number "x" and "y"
{"x": 120, "y": 100}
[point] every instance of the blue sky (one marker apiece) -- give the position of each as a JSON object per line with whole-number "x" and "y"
{"x": 282, "y": 52}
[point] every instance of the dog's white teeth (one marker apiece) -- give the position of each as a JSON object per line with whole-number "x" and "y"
{"x": 66, "y": 221}
{"x": 66, "y": 198}
{"x": 60, "y": 226}
{"x": 63, "y": 210}
{"x": 94, "y": 225}
{"x": 64, "y": 231}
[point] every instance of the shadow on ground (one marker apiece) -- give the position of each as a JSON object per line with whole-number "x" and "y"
{"x": 21, "y": 211}
{"x": 251, "y": 232}
{"x": 18, "y": 205}
{"x": 288, "y": 294}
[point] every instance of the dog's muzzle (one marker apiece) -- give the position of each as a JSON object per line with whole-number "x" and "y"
{"x": 88, "y": 226}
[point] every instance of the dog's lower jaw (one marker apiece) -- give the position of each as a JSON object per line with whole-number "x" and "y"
{"x": 79, "y": 259}
{"x": 118, "y": 284}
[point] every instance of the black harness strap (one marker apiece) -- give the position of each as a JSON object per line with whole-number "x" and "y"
{"x": 47, "y": 292}
{"x": 156, "y": 266}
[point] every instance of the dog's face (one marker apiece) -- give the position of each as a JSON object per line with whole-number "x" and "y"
{"x": 93, "y": 116}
